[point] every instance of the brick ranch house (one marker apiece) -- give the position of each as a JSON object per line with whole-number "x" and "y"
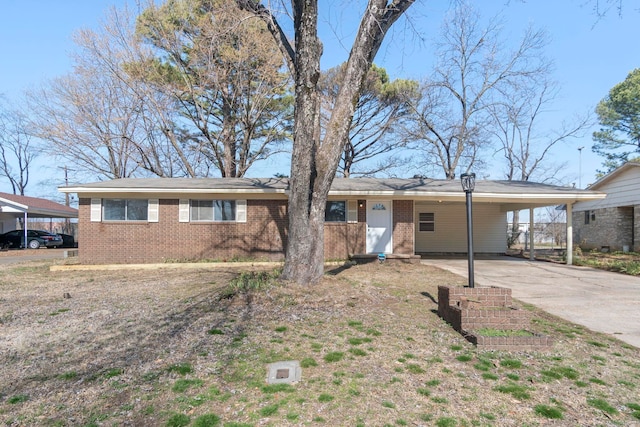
{"x": 165, "y": 219}
{"x": 612, "y": 223}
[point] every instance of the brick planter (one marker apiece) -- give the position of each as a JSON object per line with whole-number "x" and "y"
{"x": 533, "y": 343}
{"x": 470, "y": 309}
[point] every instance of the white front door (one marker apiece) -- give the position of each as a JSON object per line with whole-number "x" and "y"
{"x": 379, "y": 226}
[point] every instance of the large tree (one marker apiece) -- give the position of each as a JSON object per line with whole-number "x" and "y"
{"x": 373, "y": 141}
{"x": 473, "y": 71}
{"x": 16, "y": 149}
{"x": 316, "y": 155}
{"x": 225, "y": 73}
{"x": 89, "y": 120}
{"x": 102, "y": 121}
{"x": 619, "y": 115}
{"x": 526, "y": 149}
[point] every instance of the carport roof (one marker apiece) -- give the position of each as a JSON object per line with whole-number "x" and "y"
{"x": 35, "y": 207}
{"x": 512, "y": 194}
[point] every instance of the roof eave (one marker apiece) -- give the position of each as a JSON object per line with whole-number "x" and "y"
{"x": 487, "y": 197}
{"x": 112, "y": 190}
{"x": 460, "y": 196}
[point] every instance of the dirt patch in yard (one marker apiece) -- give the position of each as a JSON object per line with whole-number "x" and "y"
{"x": 178, "y": 347}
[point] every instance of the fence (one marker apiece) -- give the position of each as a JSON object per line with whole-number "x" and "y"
{"x": 547, "y": 234}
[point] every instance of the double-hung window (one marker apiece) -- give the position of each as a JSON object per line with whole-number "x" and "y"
{"x": 589, "y": 216}
{"x": 213, "y": 210}
{"x": 427, "y": 221}
{"x": 125, "y": 209}
{"x": 336, "y": 211}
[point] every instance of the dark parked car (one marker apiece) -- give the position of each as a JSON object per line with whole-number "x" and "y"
{"x": 68, "y": 241}
{"x": 35, "y": 239}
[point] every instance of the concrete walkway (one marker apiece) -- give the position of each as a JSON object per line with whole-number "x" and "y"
{"x": 600, "y": 300}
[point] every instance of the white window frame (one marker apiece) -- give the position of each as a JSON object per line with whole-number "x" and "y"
{"x": 352, "y": 211}
{"x": 97, "y": 210}
{"x": 431, "y": 221}
{"x": 184, "y": 211}
{"x": 346, "y": 213}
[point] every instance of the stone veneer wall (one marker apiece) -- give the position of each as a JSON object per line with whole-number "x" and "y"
{"x": 636, "y": 228}
{"x": 608, "y": 227}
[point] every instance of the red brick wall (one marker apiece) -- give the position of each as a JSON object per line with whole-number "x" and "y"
{"x": 403, "y": 229}
{"x": 263, "y": 236}
{"x": 342, "y": 240}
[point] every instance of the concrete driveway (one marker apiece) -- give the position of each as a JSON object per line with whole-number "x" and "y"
{"x": 14, "y": 256}
{"x": 600, "y": 300}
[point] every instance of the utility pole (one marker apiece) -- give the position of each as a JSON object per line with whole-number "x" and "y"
{"x": 67, "y": 221}
{"x": 66, "y": 183}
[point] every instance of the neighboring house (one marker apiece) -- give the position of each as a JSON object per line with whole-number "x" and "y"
{"x": 165, "y": 219}
{"x": 14, "y": 207}
{"x": 612, "y": 223}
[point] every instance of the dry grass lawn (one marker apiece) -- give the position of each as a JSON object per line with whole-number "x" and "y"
{"x": 175, "y": 347}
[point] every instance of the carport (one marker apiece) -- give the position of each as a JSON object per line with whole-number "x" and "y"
{"x": 13, "y": 207}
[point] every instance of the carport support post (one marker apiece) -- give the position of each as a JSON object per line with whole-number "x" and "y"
{"x": 24, "y": 227}
{"x": 569, "y": 234}
{"x": 531, "y": 235}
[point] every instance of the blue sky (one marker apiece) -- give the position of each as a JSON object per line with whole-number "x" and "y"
{"x": 590, "y": 55}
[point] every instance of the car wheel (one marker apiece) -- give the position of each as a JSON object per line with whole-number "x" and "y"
{"x": 34, "y": 244}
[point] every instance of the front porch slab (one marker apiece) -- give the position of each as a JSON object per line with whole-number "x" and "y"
{"x": 391, "y": 258}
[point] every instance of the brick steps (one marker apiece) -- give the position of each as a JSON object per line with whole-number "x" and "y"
{"x": 469, "y": 309}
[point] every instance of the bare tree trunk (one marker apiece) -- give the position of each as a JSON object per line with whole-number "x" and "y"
{"x": 306, "y": 218}
{"x": 515, "y": 229}
{"x": 314, "y": 164}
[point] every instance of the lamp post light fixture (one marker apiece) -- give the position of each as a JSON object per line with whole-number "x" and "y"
{"x": 468, "y": 181}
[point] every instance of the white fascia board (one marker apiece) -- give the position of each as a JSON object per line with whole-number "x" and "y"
{"x": 460, "y": 196}
{"x": 541, "y": 196}
{"x": 19, "y": 207}
{"x": 396, "y": 194}
{"x": 11, "y": 209}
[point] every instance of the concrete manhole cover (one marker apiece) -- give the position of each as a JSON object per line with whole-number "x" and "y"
{"x": 284, "y": 372}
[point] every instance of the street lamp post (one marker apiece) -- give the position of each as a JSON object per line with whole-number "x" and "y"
{"x": 580, "y": 167}
{"x": 468, "y": 181}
